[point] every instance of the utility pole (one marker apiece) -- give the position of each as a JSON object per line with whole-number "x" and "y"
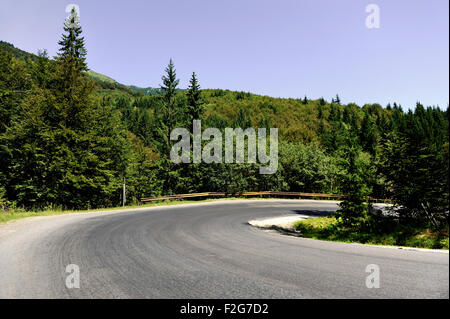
{"x": 124, "y": 194}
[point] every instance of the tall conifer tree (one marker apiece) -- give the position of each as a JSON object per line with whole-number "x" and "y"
{"x": 169, "y": 87}
{"x": 72, "y": 43}
{"x": 195, "y": 104}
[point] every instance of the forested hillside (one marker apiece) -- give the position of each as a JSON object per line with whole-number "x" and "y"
{"x": 68, "y": 139}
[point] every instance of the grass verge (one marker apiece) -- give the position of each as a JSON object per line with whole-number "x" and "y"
{"x": 327, "y": 228}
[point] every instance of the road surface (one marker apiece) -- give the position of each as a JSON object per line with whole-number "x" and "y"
{"x": 205, "y": 250}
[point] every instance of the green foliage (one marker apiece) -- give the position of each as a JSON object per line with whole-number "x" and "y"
{"x": 389, "y": 232}
{"x": 368, "y": 135}
{"x": 306, "y": 168}
{"x": 355, "y": 180}
{"x": 17, "y": 53}
{"x": 101, "y": 77}
{"x": 4, "y": 203}
{"x": 141, "y": 173}
{"x": 168, "y": 115}
{"x": 242, "y": 95}
{"x": 194, "y": 101}
{"x": 63, "y": 145}
{"x": 414, "y": 162}
{"x": 15, "y": 84}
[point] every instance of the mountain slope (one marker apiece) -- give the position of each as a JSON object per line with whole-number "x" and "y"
{"x": 101, "y": 77}
{"x": 18, "y": 53}
{"x": 104, "y": 81}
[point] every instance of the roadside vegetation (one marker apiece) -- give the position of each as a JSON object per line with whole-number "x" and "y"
{"x": 385, "y": 231}
{"x": 419, "y": 217}
{"x": 68, "y": 139}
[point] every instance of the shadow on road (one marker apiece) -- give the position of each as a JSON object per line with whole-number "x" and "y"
{"x": 315, "y": 213}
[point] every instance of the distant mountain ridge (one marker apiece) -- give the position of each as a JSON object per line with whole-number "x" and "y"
{"x": 150, "y": 90}
{"x": 24, "y": 55}
{"x": 18, "y": 53}
{"x": 101, "y": 77}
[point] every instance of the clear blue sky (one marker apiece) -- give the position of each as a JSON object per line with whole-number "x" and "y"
{"x": 282, "y": 48}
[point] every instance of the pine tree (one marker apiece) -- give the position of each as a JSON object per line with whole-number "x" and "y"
{"x": 320, "y": 111}
{"x": 41, "y": 70}
{"x": 72, "y": 44}
{"x": 353, "y": 209}
{"x": 322, "y": 101}
{"x": 414, "y": 162}
{"x": 195, "y": 104}
{"x": 305, "y": 100}
{"x": 333, "y": 116}
{"x": 169, "y": 88}
{"x": 368, "y": 135}
{"x": 168, "y": 118}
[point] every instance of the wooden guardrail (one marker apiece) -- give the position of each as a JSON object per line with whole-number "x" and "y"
{"x": 264, "y": 193}
{"x": 181, "y": 196}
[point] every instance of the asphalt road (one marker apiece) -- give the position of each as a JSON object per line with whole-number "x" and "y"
{"x": 203, "y": 251}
